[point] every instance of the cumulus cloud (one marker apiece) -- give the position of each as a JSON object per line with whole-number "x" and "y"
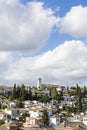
{"x": 66, "y": 64}
{"x": 24, "y": 26}
{"x": 5, "y": 57}
{"x": 5, "y": 60}
{"x": 75, "y": 22}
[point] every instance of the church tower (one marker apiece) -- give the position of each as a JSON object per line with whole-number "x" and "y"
{"x": 39, "y": 82}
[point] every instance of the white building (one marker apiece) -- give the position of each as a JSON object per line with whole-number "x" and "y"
{"x": 2, "y": 115}
{"x": 13, "y": 113}
{"x": 73, "y": 119}
{"x": 31, "y": 122}
{"x": 85, "y": 120}
{"x": 54, "y": 121}
{"x": 12, "y": 104}
{"x": 35, "y": 113}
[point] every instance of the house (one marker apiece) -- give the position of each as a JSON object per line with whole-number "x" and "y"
{"x": 67, "y": 99}
{"x": 31, "y": 122}
{"x": 37, "y": 110}
{"x": 35, "y": 102}
{"x": 35, "y": 113}
{"x": 2, "y": 115}
{"x": 46, "y": 92}
{"x": 54, "y": 120}
{"x": 63, "y": 127}
{"x": 54, "y": 102}
{"x": 84, "y": 120}
{"x": 12, "y": 104}
{"x": 79, "y": 124}
{"x": 28, "y": 104}
{"x": 17, "y": 126}
{"x": 78, "y": 118}
{"x": 8, "y": 89}
{"x": 50, "y": 111}
{"x": 13, "y": 113}
{"x": 11, "y": 126}
{"x": 72, "y": 119}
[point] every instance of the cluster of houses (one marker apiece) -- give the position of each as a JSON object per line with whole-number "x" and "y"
{"x": 34, "y": 109}
{"x": 34, "y": 120}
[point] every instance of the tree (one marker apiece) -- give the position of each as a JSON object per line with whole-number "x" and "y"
{"x": 79, "y": 94}
{"x": 78, "y": 91}
{"x": 45, "y": 118}
{"x": 18, "y": 92}
{"x": 35, "y": 96}
{"x": 73, "y": 109}
{"x": 59, "y": 96}
{"x": 53, "y": 93}
{"x": 84, "y": 91}
{"x": 23, "y": 92}
{"x": 79, "y": 104}
{"x": 19, "y": 103}
{"x": 2, "y": 122}
{"x": 14, "y": 92}
{"x": 4, "y": 106}
{"x": 30, "y": 94}
{"x": 0, "y": 105}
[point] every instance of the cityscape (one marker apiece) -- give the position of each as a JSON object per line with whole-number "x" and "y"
{"x": 43, "y": 65}
{"x": 43, "y": 107}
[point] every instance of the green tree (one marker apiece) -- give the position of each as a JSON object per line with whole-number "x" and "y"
{"x": 4, "y": 106}
{"x": 14, "y": 92}
{"x": 23, "y": 92}
{"x": 86, "y": 104}
{"x": 0, "y": 105}
{"x": 59, "y": 96}
{"x": 19, "y": 103}
{"x": 79, "y": 104}
{"x": 30, "y": 94}
{"x": 21, "y": 119}
{"x": 73, "y": 109}
{"x": 45, "y": 118}
{"x": 18, "y": 92}
{"x": 35, "y": 96}
{"x": 53, "y": 93}
{"x": 2, "y": 122}
{"x": 84, "y": 90}
{"x": 78, "y": 91}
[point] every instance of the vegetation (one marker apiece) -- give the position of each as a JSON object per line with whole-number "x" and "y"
{"x": 2, "y": 122}
{"x": 45, "y": 118}
{"x": 22, "y": 93}
{"x": 19, "y": 103}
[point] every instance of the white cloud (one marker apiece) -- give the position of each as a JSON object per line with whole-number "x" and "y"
{"x": 5, "y": 60}
{"x": 5, "y": 57}
{"x": 24, "y": 27}
{"x": 66, "y": 64}
{"x": 75, "y": 22}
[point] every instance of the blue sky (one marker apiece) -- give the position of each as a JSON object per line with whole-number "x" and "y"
{"x": 63, "y": 7}
{"x": 43, "y": 38}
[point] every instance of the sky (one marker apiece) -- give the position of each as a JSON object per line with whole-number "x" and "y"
{"x": 43, "y": 38}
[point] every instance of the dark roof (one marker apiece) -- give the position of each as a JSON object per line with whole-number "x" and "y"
{"x": 76, "y": 124}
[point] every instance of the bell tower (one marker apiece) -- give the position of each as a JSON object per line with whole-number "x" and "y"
{"x": 39, "y": 82}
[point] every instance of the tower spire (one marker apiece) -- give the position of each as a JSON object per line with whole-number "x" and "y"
{"x": 39, "y": 82}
